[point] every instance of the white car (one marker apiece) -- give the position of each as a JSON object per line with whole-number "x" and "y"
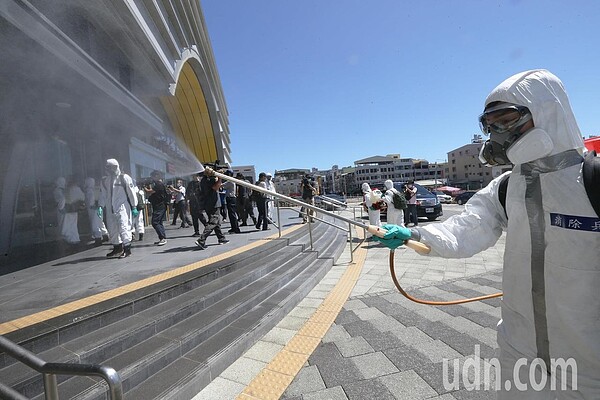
{"x": 442, "y": 197}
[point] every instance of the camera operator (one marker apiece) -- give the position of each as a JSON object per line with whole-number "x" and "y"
{"x": 410, "y": 192}
{"x": 308, "y": 196}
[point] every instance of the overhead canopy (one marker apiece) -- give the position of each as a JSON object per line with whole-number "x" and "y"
{"x": 448, "y": 189}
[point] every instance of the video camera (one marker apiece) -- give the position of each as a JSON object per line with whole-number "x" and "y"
{"x": 217, "y": 166}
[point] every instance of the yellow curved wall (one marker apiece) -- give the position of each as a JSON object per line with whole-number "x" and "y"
{"x": 189, "y": 116}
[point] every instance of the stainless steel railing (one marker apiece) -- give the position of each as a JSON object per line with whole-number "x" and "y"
{"x": 50, "y": 370}
{"x": 279, "y": 197}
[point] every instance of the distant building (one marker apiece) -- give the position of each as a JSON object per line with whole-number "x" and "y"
{"x": 465, "y": 169}
{"x": 287, "y": 181}
{"x": 377, "y": 169}
{"x": 247, "y": 170}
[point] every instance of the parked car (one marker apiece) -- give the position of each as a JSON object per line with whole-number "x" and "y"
{"x": 442, "y": 197}
{"x": 428, "y": 205}
{"x": 463, "y": 197}
{"x": 323, "y": 201}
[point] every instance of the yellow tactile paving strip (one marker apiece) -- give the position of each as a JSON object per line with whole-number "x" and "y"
{"x": 46, "y": 315}
{"x": 274, "y": 379}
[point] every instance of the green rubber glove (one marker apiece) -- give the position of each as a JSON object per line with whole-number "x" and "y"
{"x": 395, "y": 236}
{"x": 99, "y": 212}
{"x": 135, "y": 212}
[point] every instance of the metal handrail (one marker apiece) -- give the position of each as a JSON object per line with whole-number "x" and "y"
{"x": 278, "y": 197}
{"x": 335, "y": 202}
{"x": 50, "y": 370}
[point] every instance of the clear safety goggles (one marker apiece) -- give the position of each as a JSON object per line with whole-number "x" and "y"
{"x": 503, "y": 118}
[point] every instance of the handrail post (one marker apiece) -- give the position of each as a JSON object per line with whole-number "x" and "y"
{"x": 50, "y": 386}
{"x": 350, "y": 237}
{"x": 310, "y": 222}
{"x": 278, "y": 217}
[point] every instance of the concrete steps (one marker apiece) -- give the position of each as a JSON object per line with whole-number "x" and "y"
{"x": 171, "y": 340}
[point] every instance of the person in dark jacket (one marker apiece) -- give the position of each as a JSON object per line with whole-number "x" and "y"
{"x": 196, "y": 204}
{"x": 210, "y": 186}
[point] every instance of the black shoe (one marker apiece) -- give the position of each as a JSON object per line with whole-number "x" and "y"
{"x": 244, "y": 224}
{"x": 141, "y": 237}
{"x": 266, "y": 229}
{"x": 257, "y": 226}
{"x": 117, "y": 251}
{"x": 173, "y": 223}
{"x": 200, "y": 244}
{"x": 196, "y": 234}
{"x": 98, "y": 242}
{"x": 223, "y": 241}
{"x": 232, "y": 231}
{"x": 126, "y": 252}
{"x": 105, "y": 238}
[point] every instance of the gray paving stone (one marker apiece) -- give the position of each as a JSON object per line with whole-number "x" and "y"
{"x": 386, "y": 324}
{"x": 220, "y": 388}
{"x": 433, "y": 374}
{"x": 367, "y": 389}
{"x": 338, "y": 371}
{"x": 374, "y": 365}
{"x": 335, "y": 332}
{"x": 462, "y": 324}
{"x": 279, "y": 335}
{"x": 369, "y": 313}
{"x": 243, "y": 370}
{"x": 437, "y": 350}
{"x": 483, "y": 319}
{"x": 405, "y": 357}
{"x": 353, "y": 346}
{"x": 408, "y": 385}
{"x": 412, "y": 336}
{"x": 354, "y": 305}
{"x": 383, "y": 340}
{"x": 263, "y": 351}
{"x": 334, "y": 393}
{"x": 324, "y": 352}
{"x": 345, "y": 317}
{"x": 360, "y": 328}
{"x": 292, "y": 323}
{"x": 308, "y": 380}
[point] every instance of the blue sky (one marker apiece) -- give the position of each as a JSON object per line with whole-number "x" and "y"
{"x": 312, "y": 83}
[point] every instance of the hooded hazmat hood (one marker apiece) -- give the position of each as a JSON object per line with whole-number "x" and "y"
{"x": 545, "y": 96}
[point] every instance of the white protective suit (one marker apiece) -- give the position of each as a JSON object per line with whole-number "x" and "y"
{"x": 372, "y": 197}
{"x": 270, "y": 199}
{"x": 114, "y": 195}
{"x": 394, "y": 215}
{"x": 73, "y": 197}
{"x": 91, "y": 202}
{"x": 138, "y": 222}
{"x": 59, "y": 198}
{"x": 551, "y": 278}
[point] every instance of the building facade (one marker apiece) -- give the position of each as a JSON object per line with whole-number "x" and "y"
{"x": 376, "y": 170}
{"x": 464, "y": 168}
{"x": 84, "y": 81}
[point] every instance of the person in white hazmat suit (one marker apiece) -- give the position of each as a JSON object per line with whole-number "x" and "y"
{"x": 551, "y": 307}
{"x": 119, "y": 198}
{"x": 270, "y": 202}
{"x": 394, "y": 215}
{"x": 372, "y": 201}
{"x": 59, "y": 197}
{"x": 96, "y": 223}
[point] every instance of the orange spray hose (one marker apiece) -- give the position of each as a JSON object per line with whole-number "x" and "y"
{"x": 423, "y": 249}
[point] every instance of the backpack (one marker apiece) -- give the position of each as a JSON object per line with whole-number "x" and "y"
{"x": 591, "y": 181}
{"x": 399, "y": 200}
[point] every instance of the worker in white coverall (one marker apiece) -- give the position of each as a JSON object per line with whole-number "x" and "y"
{"x": 394, "y": 215}
{"x": 372, "y": 202}
{"x": 551, "y": 303}
{"x": 270, "y": 199}
{"x": 119, "y": 198}
{"x": 96, "y": 223}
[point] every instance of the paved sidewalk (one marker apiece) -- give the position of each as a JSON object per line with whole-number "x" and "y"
{"x": 382, "y": 346}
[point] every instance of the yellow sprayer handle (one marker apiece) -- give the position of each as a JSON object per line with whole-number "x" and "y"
{"x": 419, "y": 247}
